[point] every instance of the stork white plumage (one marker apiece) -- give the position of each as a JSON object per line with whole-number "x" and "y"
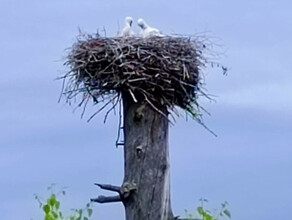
{"x": 148, "y": 31}
{"x": 127, "y": 30}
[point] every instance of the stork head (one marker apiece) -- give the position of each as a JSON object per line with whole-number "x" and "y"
{"x": 129, "y": 20}
{"x": 142, "y": 23}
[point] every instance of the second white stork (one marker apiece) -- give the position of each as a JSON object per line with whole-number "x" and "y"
{"x": 148, "y": 31}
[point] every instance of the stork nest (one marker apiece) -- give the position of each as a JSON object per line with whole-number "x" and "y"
{"x": 163, "y": 71}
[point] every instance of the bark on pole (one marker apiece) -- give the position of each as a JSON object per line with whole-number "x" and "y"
{"x": 146, "y": 153}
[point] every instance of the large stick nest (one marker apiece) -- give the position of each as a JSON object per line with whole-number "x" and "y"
{"x": 163, "y": 71}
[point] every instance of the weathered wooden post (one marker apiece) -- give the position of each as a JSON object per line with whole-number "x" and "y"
{"x": 151, "y": 77}
{"x": 146, "y": 161}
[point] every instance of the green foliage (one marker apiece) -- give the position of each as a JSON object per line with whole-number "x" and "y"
{"x": 202, "y": 213}
{"x": 52, "y": 208}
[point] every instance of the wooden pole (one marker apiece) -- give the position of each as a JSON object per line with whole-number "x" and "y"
{"x": 146, "y": 153}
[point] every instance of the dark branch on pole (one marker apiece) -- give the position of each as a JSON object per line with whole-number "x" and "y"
{"x": 107, "y": 199}
{"x": 124, "y": 192}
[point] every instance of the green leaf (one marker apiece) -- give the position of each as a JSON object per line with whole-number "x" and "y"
{"x": 227, "y": 213}
{"x": 48, "y": 217}
{"x": 89, "y": 211}
{"x": 200, "y": 210}
{"x": 46, "y": 209}
{"x": 57, "y": 204}
{"x": 85, "y": 218}
{"x": 207, "y": 217}
{"x": 55, "y": 215}
{"x": 52, "y": 200}
{"x": 79, "y": 212}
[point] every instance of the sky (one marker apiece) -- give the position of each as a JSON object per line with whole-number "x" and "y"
{"x": 43, "y": 142}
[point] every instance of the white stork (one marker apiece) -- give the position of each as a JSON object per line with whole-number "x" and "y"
{"x": 148, "y": 31}
{"x": 127, "y": 30}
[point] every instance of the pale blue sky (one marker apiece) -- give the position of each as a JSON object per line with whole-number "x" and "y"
{"x": 43, "y": 142}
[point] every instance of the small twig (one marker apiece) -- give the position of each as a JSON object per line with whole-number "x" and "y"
{"x": 112, "y": 108}
{"x": 62, "y": 89}
{"x": 84, "y": 106}
{"x": 208, "y": 129}
{"x": 133, "y": 96}
{"x": 109, "y": 187}
{"x": 106, "y": 104}
{"x": 156, "y": 109}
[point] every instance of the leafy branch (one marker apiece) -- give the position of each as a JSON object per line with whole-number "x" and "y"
{"x": 52, "y": 208}
{"x": 205, "y": 214}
